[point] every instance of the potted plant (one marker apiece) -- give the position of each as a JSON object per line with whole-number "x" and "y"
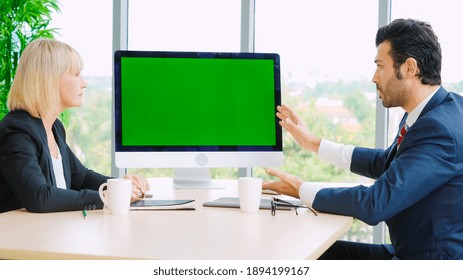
{"x": 21, "y": 21}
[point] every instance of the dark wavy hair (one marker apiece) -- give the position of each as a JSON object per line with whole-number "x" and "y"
{"x": 416, "y": 39}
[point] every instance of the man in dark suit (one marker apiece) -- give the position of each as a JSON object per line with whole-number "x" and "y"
{"x": 418, "y": 188}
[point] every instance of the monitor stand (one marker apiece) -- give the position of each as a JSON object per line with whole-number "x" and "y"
{"x": 194, "y": 178}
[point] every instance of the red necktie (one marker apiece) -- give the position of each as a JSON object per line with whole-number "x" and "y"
{"x": 402, "y": 133}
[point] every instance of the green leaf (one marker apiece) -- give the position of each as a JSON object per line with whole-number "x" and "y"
{"x": 21, "y": 21}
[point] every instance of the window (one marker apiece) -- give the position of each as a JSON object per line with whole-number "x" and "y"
{"x": 327, "y": 63}
{"x": 445, "y": 18}
{"x": 327, "y": 60}
{"x": 88, "y": 30}
{"x": 185, "y": 25}
{"x": 327, "y": 54}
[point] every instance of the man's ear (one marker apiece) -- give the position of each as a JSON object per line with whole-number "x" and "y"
{"x": 411, "y": 67}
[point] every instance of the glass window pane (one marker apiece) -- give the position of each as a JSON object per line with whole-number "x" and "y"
{"x": 184, "y": 25}
{"x": 86, "y": 25}
{"x": 445, "y": 18}
{"x": 327, "y": 57}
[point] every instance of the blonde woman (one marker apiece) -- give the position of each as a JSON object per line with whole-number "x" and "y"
{"x": 38, "y": 170}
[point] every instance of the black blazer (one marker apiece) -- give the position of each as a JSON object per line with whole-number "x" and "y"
{"x": 26, "y": 171}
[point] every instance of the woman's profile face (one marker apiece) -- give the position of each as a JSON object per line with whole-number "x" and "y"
{"x": 71, "y": 86}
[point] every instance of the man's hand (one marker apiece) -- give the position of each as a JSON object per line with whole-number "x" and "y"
{"x": 291, "y": 122}
{"x": 287, "y": 185}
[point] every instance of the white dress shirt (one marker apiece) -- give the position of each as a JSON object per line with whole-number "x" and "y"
{"x": 340, "y": 155}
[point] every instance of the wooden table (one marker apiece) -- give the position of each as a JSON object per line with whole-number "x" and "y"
{"x": 202, "y": 234}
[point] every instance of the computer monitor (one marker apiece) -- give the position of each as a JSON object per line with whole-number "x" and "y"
{"x": 192, "y": 111}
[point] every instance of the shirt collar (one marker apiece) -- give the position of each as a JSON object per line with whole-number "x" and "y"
{"x": 415, "y": 113}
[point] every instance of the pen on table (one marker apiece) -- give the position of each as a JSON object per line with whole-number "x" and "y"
{"x": 84, "y": 212}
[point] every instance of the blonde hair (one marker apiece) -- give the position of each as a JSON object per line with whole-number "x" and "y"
{"x": 35, "y": 87}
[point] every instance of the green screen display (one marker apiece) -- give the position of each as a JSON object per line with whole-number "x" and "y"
{"x": 197, "y": 102}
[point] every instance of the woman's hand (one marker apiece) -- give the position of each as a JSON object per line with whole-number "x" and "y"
{"x": 287, "y": 185}
{"x": 139, "y": 186}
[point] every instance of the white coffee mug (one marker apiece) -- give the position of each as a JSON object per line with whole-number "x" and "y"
{"x": 117, "y": 196}
{"x": 250, "y": 193}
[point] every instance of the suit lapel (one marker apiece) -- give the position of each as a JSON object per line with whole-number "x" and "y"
{"x": 64, "y": 155}
{"x": 437, "y": 99}
{"x": 393, "y": 149}
{"x": 43, "y": 136}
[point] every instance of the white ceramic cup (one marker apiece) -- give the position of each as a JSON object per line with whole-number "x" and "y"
{"x": 250, "y": 193}
{"x": 117, "y": 196}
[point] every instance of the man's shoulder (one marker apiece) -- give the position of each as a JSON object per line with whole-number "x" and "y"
{"x": 444, "y": 118}
{"x": 456, "y": 96}
{"x": 450, "y": 108}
